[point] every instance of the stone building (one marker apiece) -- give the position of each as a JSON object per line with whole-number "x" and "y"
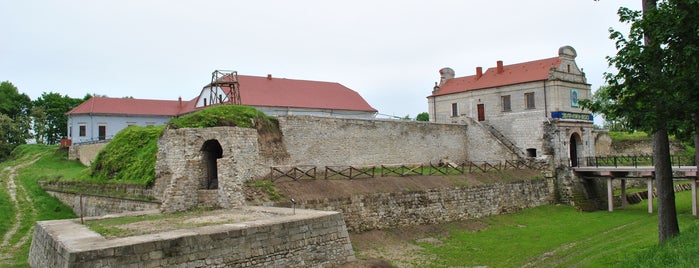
{"x": 532, "y": 106}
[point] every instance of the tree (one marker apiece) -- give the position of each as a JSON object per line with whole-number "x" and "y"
{"x": 51, "y": 127}
{"x": 12, "y": 134}
{"x": 653, "y": 89}
{"x": 12, "y": 103}
{"x": 424, "y": 116}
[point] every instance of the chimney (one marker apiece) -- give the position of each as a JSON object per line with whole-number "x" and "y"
{"x": 269, "y": 76}
{"x": 180, "y": 99}
{"x": 479, "y": 72}
{"x": 445, "y": 74}
{"x": 500, "y": 68}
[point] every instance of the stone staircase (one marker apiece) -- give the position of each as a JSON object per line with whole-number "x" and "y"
{"x": 504, "y": 140}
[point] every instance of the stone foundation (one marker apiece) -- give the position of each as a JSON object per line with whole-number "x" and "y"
{"x": 300, "y": 238}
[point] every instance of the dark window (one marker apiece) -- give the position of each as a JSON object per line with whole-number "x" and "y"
{"x": 506, "y": 107}
{"x": 454, "y": 110}
{"x": 529, "y": 100}
{"x": 83, "y": 130}
{"x": 531, "y": 152}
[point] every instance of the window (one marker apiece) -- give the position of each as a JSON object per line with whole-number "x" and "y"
{"x": 529, "y": 100}
{"x": 454, "y": 110}
{"x": 506, "y": 107}
{"x": 82, "y": 130}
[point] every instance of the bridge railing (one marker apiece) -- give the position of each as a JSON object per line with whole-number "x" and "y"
{"x": 634, "y": 161}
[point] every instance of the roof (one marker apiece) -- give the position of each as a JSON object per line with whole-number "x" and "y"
{"x": 283, "y": 92}
{"x": 131, "y": 106}
{"x": 254, "y": 91}
{"x": 537, "y": 70}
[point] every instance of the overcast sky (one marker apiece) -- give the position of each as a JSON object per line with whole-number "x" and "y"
{"x": 388, "y": 51}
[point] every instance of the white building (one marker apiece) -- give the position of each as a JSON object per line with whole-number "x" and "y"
{"x": 101, "y": 118}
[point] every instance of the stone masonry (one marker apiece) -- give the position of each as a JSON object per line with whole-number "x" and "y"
{"x": 303, "y": 238}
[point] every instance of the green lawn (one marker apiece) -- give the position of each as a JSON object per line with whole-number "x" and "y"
{"x": 557, "y": 236}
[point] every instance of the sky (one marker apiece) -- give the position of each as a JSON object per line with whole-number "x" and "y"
{"x": 388, "y": 51}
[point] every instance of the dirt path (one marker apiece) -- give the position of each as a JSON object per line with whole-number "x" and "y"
{"x": 20, "y": 199}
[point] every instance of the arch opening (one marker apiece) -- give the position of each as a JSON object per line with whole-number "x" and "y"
{"x": 211, "y": 152}
{"x": 575, "y": 147}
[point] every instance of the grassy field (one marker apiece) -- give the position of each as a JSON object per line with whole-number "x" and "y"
{"x": 559, "y": 236}
{"x": 547, "y": 236}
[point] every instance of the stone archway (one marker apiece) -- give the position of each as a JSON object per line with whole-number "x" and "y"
{"x": 575, "y": 147}
{"x": 211, "y": 151}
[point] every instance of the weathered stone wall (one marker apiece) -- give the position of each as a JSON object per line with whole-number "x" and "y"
{"x": 335, "y": 141}
{"x": 303, "y": 239}
{"x": 98, "y": 205}
{"x": 307, "y": 140}
{"x": 85, "y": 153}
{"x": 179, "y": 169}
{"x": 383, "y": 210}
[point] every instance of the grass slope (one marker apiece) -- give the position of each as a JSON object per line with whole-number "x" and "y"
{"x": 34, "y": 204}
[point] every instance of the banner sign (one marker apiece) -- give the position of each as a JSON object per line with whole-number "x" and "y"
{"x": 572, "y": 116}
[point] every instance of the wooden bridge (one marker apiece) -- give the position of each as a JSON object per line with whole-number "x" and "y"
{"x": 631, "y": 167}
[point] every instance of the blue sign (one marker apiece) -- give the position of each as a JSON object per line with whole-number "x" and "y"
{"x": 572, "y": 116}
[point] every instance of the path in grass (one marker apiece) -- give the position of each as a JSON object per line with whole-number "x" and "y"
{"x": 21, "y": 203}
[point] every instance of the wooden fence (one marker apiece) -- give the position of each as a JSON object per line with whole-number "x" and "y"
{"x": 396, "y": 170}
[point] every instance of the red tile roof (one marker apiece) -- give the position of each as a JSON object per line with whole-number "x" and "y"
{"x": 102, "y": 105}
{"x": 254, "y": 91}
{"x": 282, "y": 92}
{"x": 512, "y": 74}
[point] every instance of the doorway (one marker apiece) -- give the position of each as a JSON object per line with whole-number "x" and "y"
{"x": 481, "y": 112}
{"x": 575, "y": 143}
{"x": 102, "y": 132}
{"x": 211, "y": 151}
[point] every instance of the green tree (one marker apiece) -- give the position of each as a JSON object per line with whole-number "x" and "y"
{"x": 12, "y": 103}
{"x": 12, "y": 135}
{"x": 653, "y": 89}
{"x": 53, "y": 126}
{"x": 424, "y": 116}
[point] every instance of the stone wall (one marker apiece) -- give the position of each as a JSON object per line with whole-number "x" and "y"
{"x": 302, "y": 239}
{"x": 383, "y": 210}
{"x": 85, "y": 153}
{"x": 98, "y": 205}
{"x": 335, "y": 141}
{"x": 307, "y": 140}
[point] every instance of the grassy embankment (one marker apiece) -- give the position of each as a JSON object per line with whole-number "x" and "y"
{"x": 32, "y": 203}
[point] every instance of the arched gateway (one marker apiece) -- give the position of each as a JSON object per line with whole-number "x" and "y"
{"x": 211, "y": 151}
{"x": 575, "y": 149}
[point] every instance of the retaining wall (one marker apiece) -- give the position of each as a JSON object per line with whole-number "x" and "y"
{"x": 304, "y": 239}
{"x": 98, "y": 205}
{"x": 383, "y": 210}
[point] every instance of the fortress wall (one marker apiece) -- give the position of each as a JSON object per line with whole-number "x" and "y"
{"x": 384, "y": 210}
{"x": 307, "y": 140}
{"x": 324, "y": 141}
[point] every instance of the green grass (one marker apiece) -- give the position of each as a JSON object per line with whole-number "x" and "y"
{"x": 618, "y": 136}
{"x": 223, "y": 115}
{"x": 678, "y": 252}
{"x": 557, "y": 236}
{"x": 34, "y": 203}
{"x": 130, "y": 157}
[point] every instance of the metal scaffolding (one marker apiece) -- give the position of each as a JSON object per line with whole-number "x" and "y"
{"x": 224, "y": 88}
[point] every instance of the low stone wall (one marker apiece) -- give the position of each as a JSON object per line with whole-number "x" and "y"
{"x": 302, "y": 239}
{"x": 383, "y": 210}
{"x": 98, "y": 205}
{"x": 85, "y": 153}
